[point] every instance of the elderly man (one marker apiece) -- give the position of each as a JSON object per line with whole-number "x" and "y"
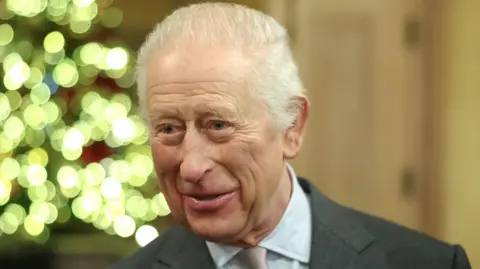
{"x": 226, "y": 109}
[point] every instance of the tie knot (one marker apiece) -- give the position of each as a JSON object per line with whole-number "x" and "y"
{"x": 255, "y": 257}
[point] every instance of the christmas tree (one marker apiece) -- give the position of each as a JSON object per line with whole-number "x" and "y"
{"x": 74, "y": 154}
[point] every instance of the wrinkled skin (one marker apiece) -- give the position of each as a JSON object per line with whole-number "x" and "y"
{"x": 210, "y": 134}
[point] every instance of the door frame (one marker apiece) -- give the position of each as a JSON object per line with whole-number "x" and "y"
{"x": 433, "y": 37}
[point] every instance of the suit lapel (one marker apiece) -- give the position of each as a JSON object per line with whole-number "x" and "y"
{"x": 188, "y": 251}
{"x": 195, "y": 254}
{"x": 337, "y": 239}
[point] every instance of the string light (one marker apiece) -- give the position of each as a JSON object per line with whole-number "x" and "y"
{"x": 53, "y": 107}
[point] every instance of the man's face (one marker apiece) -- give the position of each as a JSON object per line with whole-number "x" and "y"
{"x": 218, "y": 159}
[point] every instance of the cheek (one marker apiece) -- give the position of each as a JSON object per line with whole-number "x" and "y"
{"x": 165, "y": 159}
{"x": 238, "y": 160}
{"x": 166, "y": 166}
{"x": 260, "y": 166}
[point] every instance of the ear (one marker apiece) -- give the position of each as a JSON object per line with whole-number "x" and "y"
{"x": 294, "y": 134}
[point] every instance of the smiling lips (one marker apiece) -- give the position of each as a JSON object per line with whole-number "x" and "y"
{"x": 208, "y": 202}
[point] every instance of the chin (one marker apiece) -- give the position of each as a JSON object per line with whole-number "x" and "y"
{"x": 216, "y": 229}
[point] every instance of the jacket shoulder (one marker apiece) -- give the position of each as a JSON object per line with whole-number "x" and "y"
{"x": 145, "y": 257}
{"x": 407, "y": 248}
{"x": 333, "y": 214}
{"x": 387, "y": 231}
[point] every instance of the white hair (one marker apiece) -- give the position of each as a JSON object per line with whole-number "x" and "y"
{"x": 278, "y": 83}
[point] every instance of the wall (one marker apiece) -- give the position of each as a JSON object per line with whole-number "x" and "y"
{"x": 461, "y": 125}
{"x": 141, "y": 15}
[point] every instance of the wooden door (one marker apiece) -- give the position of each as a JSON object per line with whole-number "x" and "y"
{"x": 364, "y": 81}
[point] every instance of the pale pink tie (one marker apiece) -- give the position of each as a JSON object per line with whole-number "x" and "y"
{"x": 254, "y": 258}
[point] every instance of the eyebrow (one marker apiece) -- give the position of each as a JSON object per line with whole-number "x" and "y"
{"x": 213, "y": 112}
{"x": 218, "y": 112}
{"x": 163, "y": 112}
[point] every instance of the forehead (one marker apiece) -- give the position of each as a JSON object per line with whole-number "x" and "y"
{"x": 196, "y": 64}
{"x": 194, "y": 98}
{"x": 209, "y": 79}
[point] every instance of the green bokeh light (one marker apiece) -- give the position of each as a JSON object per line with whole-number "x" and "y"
{"x": 38, "y": 156}
{"x": 80, "y": 27}
{"x": 13, "y": 127}
{"x": 111, "y": 188}
{"x": 84, "y": 13}
{"x": 58, "y": 4}
{"x": 114, "y": 209}
{"x": 112, "y": 17}
{"x": 9, "y": 222}
{"x": 36, "y": 175}
{"x": 5, "y": 14}
{"x": 27, "y": 8}
{"x": 73, "y": 139}
{"x": 34, "y": 138}
{"x": 71, "y": 192}
{"x": 40, "y": 94}
{"x": 124, "y": 226}
{"x": 5, "y": 108}
{"x": 5, "y": 190}
{"x": 10, "y": 60}
{"x": 78, "y": 209}
{"x": 6, "y": 34}
{"x": 6, "y": 143}
{"x": 95, "y": 174}
{"x": 14, "y": 98}
{"x": 35, "y": 77}
{"x": 142, "y": 165}
{"x": 66, "y": 73}
{"x": 116, "y": 73}
{"x": 115, "y": 111}
{"x": 52, "y": 111}
{"x": 16, "y": 75}
{"x": 54, "y": 42}
{"x": 145, "y": 234}
{"x": 44, "y": 132}
{"x": 9, "y": 168}
{"x": 120, "y": 170}
{"x": 92, "y": 200}
{"x": 159, "y": 205}
{"x": 44, "y": 212}
{"x": 137, "y": 207}
{"x": 123, "y": 129}
{"x": 83, "y": 3}
{"x": 25, "y": 49}
{"x": 38, "y": 193}
{"x": 17, "y": 211}
{"x": 56, "y": 138}
{"x": 23, "y": 177}
{"x": 35, "y": 116}
{"x": 88, "y": 100}
{"x": 117, "y": 58}
{"x": 64, "y": 214}
{"x": 67, "y": 177}
{"x": 54, "y": 58}
{"x": 33, "y": 225}
{"x": 91, "y": 53}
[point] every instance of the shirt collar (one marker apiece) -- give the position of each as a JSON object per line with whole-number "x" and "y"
{"x": 292, "y": 236}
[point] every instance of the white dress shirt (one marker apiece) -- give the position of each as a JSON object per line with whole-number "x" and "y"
{"x": 288, "y": 246}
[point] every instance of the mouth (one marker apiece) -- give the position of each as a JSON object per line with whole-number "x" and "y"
{"x": 208, "y": 203}
{"x": 206, "y": 197}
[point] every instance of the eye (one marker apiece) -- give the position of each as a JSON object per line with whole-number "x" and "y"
{"x": 167, "y": 129}
{"x": 217, "y": 125}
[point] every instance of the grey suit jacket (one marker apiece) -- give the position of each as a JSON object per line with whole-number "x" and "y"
{"x": 342, "y": 238}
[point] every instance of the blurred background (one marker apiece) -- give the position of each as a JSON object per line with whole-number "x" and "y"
{"x": 394, "y": 129}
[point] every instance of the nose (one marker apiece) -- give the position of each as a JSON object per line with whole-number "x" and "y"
{"x": 196, "y": 161}
{"x": 194, "y": 167}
